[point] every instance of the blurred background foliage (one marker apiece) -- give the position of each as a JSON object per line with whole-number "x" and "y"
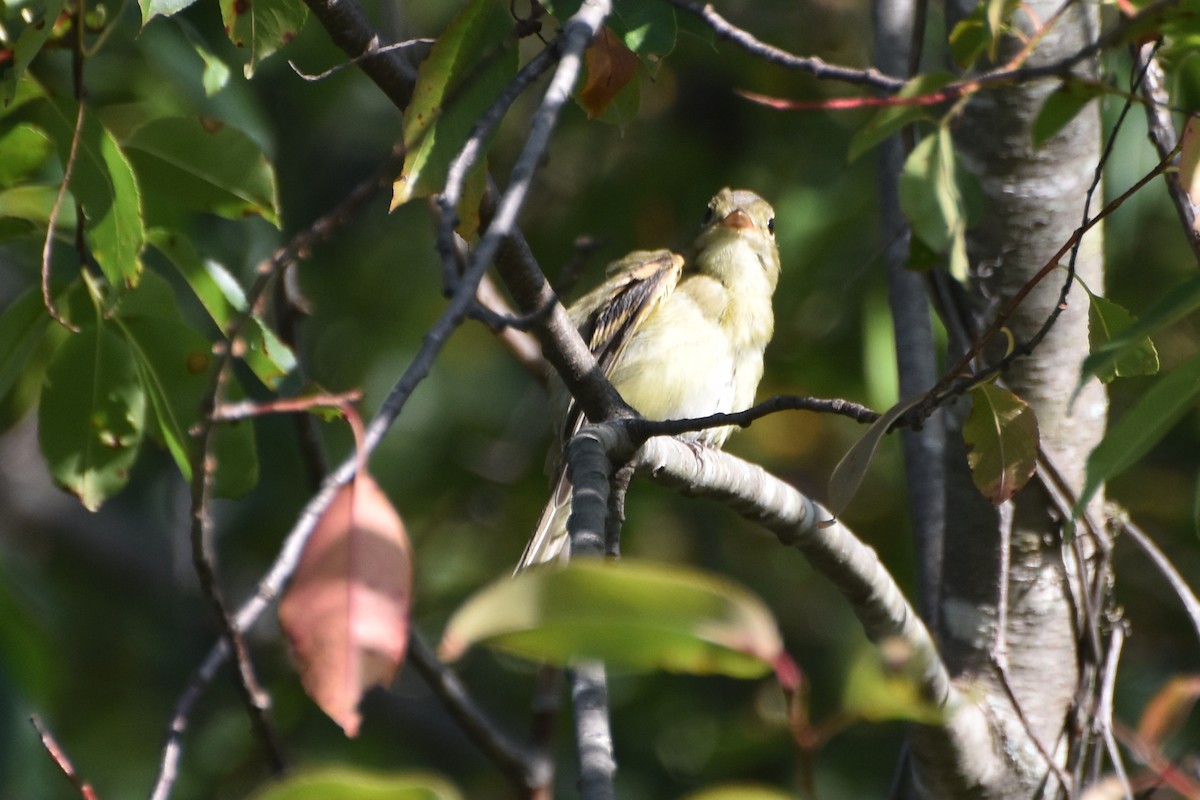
{"x": 101, "y": 621}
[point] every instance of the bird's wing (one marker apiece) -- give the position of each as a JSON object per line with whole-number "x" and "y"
{"x": 607, "y": 317}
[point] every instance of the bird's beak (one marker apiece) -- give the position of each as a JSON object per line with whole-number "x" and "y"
{"x": 738, "y": 220}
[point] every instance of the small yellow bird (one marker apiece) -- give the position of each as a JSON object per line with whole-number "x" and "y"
{"x": 676, "y": 339}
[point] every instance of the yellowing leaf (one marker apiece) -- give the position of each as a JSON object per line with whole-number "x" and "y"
{"x": 637, "y": 616}
{"x": 1002, "y": 440}
{"x": 346, "y": 610}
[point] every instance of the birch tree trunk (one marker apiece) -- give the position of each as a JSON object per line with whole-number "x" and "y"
{"x": 1033, "y": 201}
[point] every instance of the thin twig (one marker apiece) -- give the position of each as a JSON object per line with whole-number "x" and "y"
{"x": 1161, "y": 130}
{"x": 52, "y": 222}
{"x": 320, "y": 76}
{"x": 202, "y": 465}
{"x": 526, "y": 768}
{"x": 1103, "y": 718}
{"x": 59, "y": 757}
{"x": 1177, "y": 582}
{"x": 642, "y": 429}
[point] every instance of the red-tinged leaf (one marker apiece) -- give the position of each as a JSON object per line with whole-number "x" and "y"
{"x": 1002, "y": 439}
{"x": 346, "y": 610}
{"x": 610, "y": 67}
{"x": 1168, "y": 709}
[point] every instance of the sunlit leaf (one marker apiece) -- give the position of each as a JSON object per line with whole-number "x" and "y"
{"x": 631, "y": 615}
{"x": 1167, "y": 710}
{"x": 1107, "y": 320}
{"x": 103, "y": 182}
{"x": 998, "y": 13}
{"x": 464, "y": 74}
{"x": 175, "y": 365}
{"x": 222, "y": 297}
{"x": 890, "y": 119}
{"x": 648, "y": 29}
{"x": 204, "y": 166}
{"x": 1142, "y": 427}
{"x": 23, "y": 150}
{"x": 1175, "y": 304}
{"x": 1062, "y": 106}
{"x": 970, "y": 38}
{"x": 883, "y": 683}
{"x": 356, "y": 784}
{"x": 739, "y": 791}
{"x": 848, "y": 475}
{"x": 167, "y": 8}
{"x": 929, "y": 192}
{"x": 32, "y": 203}
{"x": 92, "y": 412}
{"x": 1001, "y": 433}
{"x": 262, "y": 26}
{"x": 346, "y": 610}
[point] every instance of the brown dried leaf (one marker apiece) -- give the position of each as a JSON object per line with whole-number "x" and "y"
{"x": 346, "y": 611}
{"x": 610, "y": 66}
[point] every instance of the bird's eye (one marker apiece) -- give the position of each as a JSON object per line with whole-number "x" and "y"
{"x": 709, "y": 215}
{"x": 771, "y": 226}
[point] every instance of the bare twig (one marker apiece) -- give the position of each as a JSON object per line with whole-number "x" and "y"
{"x": 526, "y": 768}
{"x": 202, "y": 468}
{"x": 1177, "y": 582}
{"x": 1103, "y": 718}
{"x": 320, "y": 76}
{"x": 1161, "y": 130}
{"x": 62, "y": 761}
{"x": 524, "y": 348}
{"x": 52, "y": 222}
{"x": 247, "y": 409}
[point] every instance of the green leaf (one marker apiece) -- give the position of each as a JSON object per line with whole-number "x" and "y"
{"x": 648, "y": 29}
{"x": 1123, "y": 346}
{"x": 29, "y": 43}
{"x": 890, "y": 119}
{"x": 22, "y": 326}
{"x": 998, "y": 14}
{"x": 104, "y": 184}
{"x": 465, "y": 72}
{"x": 92, "y": 413}
{"x": 1107, "y": 320}
{"x": 175, "y": 364}
{"x": 33, "y": 203}
{"x": 970, "y": 38}
{"x": 23, "y": 150}
{"x": 356, "y": 784}
{"x": 1001, "y": 433}
{"x": 848, "y": 475}
{"x": 201, "y": 165}
{"x": 929, "y": 193}
{"x": 1062, "y": 106}
{"x": 166, "y": 8}
{"x": 739, "y": 791}
{"x": 262, "y": 26}
{"x": 1142, "y": 427}
{"x": 883, "y": 683}
{"x": 222, "y": 297}
{"x": 631, "y": 615}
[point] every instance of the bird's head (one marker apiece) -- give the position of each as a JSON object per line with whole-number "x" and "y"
{"x": 738, "y": 221}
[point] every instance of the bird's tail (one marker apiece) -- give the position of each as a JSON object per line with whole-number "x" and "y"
{"x": 549, "y": 540}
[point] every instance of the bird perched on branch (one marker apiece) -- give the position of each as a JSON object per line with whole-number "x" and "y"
{"x": 678, "y": 339}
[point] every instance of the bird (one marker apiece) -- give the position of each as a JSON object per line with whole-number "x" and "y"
{"x": 678, "y": 338}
